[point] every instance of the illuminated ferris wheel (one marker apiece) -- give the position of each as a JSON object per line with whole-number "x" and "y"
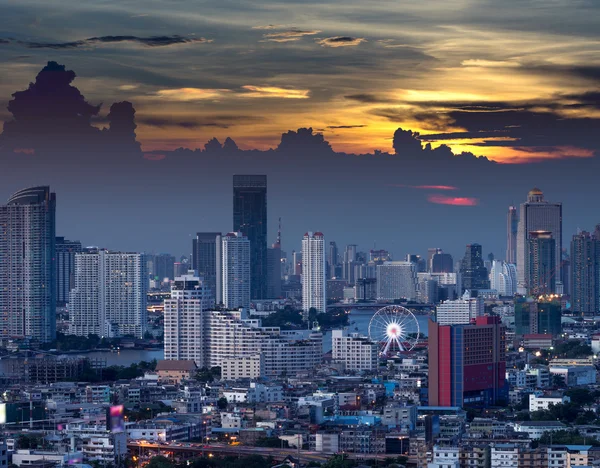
{"x": 395, "y": 328}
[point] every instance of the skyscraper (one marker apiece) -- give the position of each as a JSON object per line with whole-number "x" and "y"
{"x": 164, "y": 266}
{"x": 397, "y": 280}
{"x": 537, "y": 215}
{"x": 332, "y": 260}
{"x": 65, "y": 268}
{"x": 313, "y": 272}
{"x": 186, "y": 319}
{"x": 467, "y": 363}
{"x": 250, "y": 218}
{"x": 274, "y": 271}
{"x": 512, "y": 229}
{"x": 109, "y": 297}
{"x": 540, "y": 315}
{"x": 236, "y": 271}
{"x": 540, "y": 269}
{"x": 28, "y": 265}
{"x": 474, "y": 274}
{"x": 503, "y": 278}
{"x": 207, "y": 262}
{"x": 442, "y": 263}
{"x": 585, "y": 273}
{"x": 349, "y": 262}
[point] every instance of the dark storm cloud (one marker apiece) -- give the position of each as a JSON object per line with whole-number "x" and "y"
{"x": 218, "y": 121}
{"x": 334, "y": 127}
{"x": 340, "y": 41}
{"x": 367, "y": 98}
{"x": 151, "y": 41}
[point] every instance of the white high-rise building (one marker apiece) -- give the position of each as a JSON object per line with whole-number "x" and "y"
{"x": 356, "y": 352}
{"x": 538, "y": 215}
{"x": 460, "y": 311}
{"x": 503, "y": 278}
{"x": 185, "y": 315}
{"x": 313, "y": 272}
{"x": 236, "y": 271}
{"x": 109, "y": 297}
{"x": 28, "y": 265}
{"x": 397, "y": 280}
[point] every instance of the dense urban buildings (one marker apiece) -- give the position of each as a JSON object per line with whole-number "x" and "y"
{"x": 250, "y": 218}
{"x": 313, "y": 272}
{"x": 537, "y": 214}
{"x": 65, "y": 268}
{"x": 236, "y": 271}
{"x": 473, "y": 272}
{"x": 110, "y": 294}
{"x": 463, "y": 310}
{"x": 503, "y": 278}
{"x": 185, "y": 316}
{"x": 207, "y": 261}
{"x": 467, "y": 363}
{"x": 28, "y": 265}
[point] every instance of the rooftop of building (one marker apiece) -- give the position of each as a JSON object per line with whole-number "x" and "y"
{"x": 172, "y": 365}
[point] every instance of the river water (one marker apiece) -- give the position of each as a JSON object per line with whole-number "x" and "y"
{"x": 358, "y": 319}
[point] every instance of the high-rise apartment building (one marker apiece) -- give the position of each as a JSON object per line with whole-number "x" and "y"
{"x": 467, "y": 363}
{"x": 28, "y": 265}
{"x": 503, "y": 278}
{"x": 109, "y": 297}
{"x": 313, "y": 272}
{"x": 397, "y": 280}
{"x": 250, "y": 218}
{"x": 540, "y": 269}
{"x": 512, "y": 229}
{"x": 537, "y": 215}
{"x": 474, "y": 274}
{"x": 186, "y": 317}
{"x": 460, "y": 311}
{"x": 355, "y": 352}
{"x": 236, "y": 270}
{"x": 585, "y": 273}
{"x": 65, "y": 268}
{"x": 207, "y": 261}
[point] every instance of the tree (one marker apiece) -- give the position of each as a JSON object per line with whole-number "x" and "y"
{"x": 273, "y": 442}
{"x": 339, "y": 461}
{"x": 160, "y": 462}
{"x": 222, "y": 403}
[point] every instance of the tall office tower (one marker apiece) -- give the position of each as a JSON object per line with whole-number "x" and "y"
{"x": 460, "y": 311}
{"x": 236, "y": 271}
{"x": 27, "y": 265}
{"x": 313, "y": 273}
{"x": 540, "y": 269}
{"x": 537, "y": 215}
{"x": 474, "y": 274}
{"x": 207, "y": 262}
{"x": 349, "y": 262}
{"x": 109, "y": 297}
{"x": 297, "y": 261}
{"x": 467, "y": 363}
{"x": 164, "y": 266}
{"x": 65, "y": 268}
{"x": 274, "y": 271}
{"x": 512, "y": 229}
{"x": 585, "y": 273}
{"x": 503, "y": 278}
{"x": 430, "y": 253}
{"x": 186, "y": 318}
{"x": 332, "y": 260}
{"x": 540, "y": 315}
{"x": 250, "y": 218}
{"x": 442, "y": 263}
{"x": 397, "y": 280}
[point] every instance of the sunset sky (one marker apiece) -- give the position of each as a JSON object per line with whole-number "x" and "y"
{"x": 474, "y": 74}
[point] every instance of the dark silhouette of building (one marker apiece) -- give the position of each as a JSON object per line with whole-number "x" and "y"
{"x": 585, "y": 272}
{"x": 541, "y": 315}
{"x": 541, "y": 269}
{"x": 207, "y": 260}
{"x": 250, "y": 218}
{"x": 442, "y": 263}
{"x": 474, "y": 274}
{"x": 512, "y": 228}
{"x": 332, "y": 260}
{"x": 28, "y": 265}
{"x": 163, "y": 266}
{"x": 65, "y": 268}
{"x": 467, "y": 363}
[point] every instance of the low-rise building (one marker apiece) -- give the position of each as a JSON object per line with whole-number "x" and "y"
{"x": 541, "y": 401}
{"x": 176, "y": 371}
{"x": 243, "y": 367}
